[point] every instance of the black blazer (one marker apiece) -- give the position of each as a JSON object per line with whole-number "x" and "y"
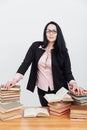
{"x": 61, "y": 68}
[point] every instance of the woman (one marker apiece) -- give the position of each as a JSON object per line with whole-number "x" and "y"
{"x": 51, "y": 67}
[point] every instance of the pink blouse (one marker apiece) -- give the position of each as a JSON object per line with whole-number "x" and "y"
{"x": 44, "y": 73}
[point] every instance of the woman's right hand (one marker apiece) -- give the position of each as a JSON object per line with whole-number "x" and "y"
{"x": 15, "y": 80}
{"x": 10, "y": 84}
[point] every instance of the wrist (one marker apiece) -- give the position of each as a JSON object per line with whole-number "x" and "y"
{"x": 17, "y": 77}
{"x": 14, "y": 81}
{"x": 72, "y": 83}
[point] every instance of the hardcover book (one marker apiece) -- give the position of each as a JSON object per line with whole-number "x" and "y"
{"x": 78, "y": 109}
{"x": 7, "y": 115}
{"x": 10, "y": 106}
{"x": 14, "y": 88}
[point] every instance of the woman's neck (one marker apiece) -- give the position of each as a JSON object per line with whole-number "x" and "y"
{"x": 50, "y": 45}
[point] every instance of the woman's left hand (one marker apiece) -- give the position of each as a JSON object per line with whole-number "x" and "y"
{"x": 73, "y": 87}
{"x": 76, "y": 90}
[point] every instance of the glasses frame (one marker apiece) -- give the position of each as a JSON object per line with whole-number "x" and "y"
{"x": 51, "y": 31}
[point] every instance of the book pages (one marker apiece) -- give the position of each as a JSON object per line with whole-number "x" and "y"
{"x": 33, "y": 112}
{"x": 56, "y": 97}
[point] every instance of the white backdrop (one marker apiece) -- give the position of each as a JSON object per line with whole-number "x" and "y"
{"x": 22, "y": 22}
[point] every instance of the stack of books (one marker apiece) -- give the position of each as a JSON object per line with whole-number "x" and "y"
{"x": 78, "y": 112}
{"x": 10, "y": 106}
{"x": 10, "y": 110}
{"x": 59, "y": 108}
{"x": 79, "y": 99}
{"x": 60, "y": 102}
{"x": 11, "y": 94}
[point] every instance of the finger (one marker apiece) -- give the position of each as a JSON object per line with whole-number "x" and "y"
{"x": 70, "y": 88}
{"x": 3, "y": 87}
{"x": 76, "y": 91}
{"x": 8, "y": 84}
{"x": 12, "y": 85}
{"x": 82, "y": 91}
{"x": 79, "y": 92}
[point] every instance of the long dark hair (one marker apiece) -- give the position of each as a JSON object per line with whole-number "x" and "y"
{"x": 60, "y": 45}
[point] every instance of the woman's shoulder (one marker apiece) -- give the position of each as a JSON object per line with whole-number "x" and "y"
{"x": 37, "y": 44}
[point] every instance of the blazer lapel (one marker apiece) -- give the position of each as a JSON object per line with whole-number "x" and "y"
{"x": 39, "y": 53}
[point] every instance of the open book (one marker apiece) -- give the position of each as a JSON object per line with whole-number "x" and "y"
{"x": 58, "y": 96}
{"x": 36, "y": 111}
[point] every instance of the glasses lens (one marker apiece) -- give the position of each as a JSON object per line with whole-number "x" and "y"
{"x": 51, "y": 31}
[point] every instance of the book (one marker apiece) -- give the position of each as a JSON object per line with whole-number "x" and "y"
{"x": 6, "y": 115}
{"x": 75, "y": 109}
{"x": 72, "y": 115}
{"x": 56, "y": 97}
{"x": 59, "y": 105}
{"x": 13, "y": 117}
{"x": 79, "y": 99}
{"x": 10, "y": 106}
{"x": 80, "y": 95}
{"x": 58, "y": 113}
{"x": 67, "y": 98}
{"x": 78, "y": 119}
{"x": 59, "y": 110}
{"x": 14, "y": 88}
{"x": 6, "y": 100}
{"x": 9, "y": 96}
{"x": 4, "y": 93}
{"x": 35, "y": 112}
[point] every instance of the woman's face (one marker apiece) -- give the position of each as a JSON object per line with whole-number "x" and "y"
{"x": 51, "y": 33}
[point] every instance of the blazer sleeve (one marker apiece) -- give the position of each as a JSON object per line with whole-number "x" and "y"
{"x": 67, "y": 68}
{"x": 27, "y": 60}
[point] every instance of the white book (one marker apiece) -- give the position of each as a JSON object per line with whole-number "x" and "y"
{"x": 34, "y": 112}
{"x": 56, "y": 97}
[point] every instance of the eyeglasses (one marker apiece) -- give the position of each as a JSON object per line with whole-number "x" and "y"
{"x": 51, "y": 31}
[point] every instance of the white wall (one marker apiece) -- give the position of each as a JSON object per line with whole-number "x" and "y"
{"x": 22, "y": 22}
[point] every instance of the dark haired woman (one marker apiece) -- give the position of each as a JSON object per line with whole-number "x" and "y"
{"x": 50, "y": 65}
